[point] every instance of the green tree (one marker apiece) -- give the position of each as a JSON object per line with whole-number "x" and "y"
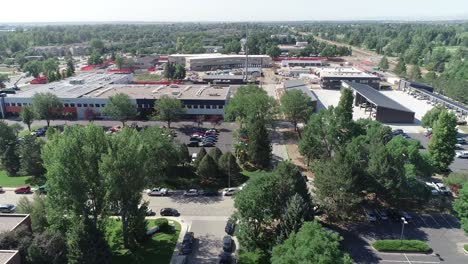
{"x": 86, "y": 244}
{"x": 29, "y": 150}
{"x": 48, "y": 247}
{"x": 296, "y": 107}
{"x": 124, "y": 169}
{"x": 27, "y": 116}
{"x": 33, "y": 67}
{"x": 415, "y": 73}
{"x": 228, "y": 164}
{"x": 18, "y": 239}
{"x": 10, "y": 160}
{"x": 430, "y": 117}
{"x": 179, "y": 72}
{"x": 201, "y": 154}
{"x": 50, "y": 66}
{"x": 95, "y": 59}
{"x": 215, "y": 153}
{"x": 296, "y": 212}
{"x": 312, "y": 244}
{"x": 46, "y": 106}
{"x": 119, "y": 62}
{"x": 169, "y": 71}
{"x": 383, "y": 64}
{"x": 75, "y": 186}
{"x": 184, "y": 155}
{"x": 17, "y": 128}
{"x": 400, "y": 68}
{"x": 259, "y": 145}
{"x": 273, "y": 51}
{"x": 442, "y": 143}
{"x": 97, "y": 45}
{"x": 460, "y": 205}
{"x": 120, "y": 107}
{"x": 3, "y": 79}
{"x": 70, "y": 67}
{"x": 168, "y": 109}
{"x": 36, "y": 208}
{"x": 208, "y": 168}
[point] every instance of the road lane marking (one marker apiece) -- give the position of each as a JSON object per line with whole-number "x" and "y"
{"x": 406, "y": 257}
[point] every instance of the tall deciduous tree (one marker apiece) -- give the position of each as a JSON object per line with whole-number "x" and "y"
{"x": 201, "y": 154}
{"x": 10, "y": 160}
{"x": 33, "y": 67}
{"x": 48, "y": 247}
{"x": 442, "y": 144}
{"x": 119, "y": 62}
{"x": 27, "y": 116}
{"x": 46, "y": 106}
{"x": 431, "y": 116}
{"x": 17, "y": 128}
{"x": 400, "y": 68}
{"x": 296, "y": 212}
{"x": 259, "y": 144}
{"x": 3, "y": 79}
{"x": 124, "y": 169}
{"x": 120, "y": 107}
{"x": 312, "y": 244}
{"x": 75, "y": 185}
{"x": 168, "y": 109}
{"x": 208, "y": 168}
{"x": 296, "y": 107}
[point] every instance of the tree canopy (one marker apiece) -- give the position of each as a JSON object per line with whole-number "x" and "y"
{"x": 168, "y": 109}
{"x": 46, "y": 106}
{"x": 296, "y": 106}
{"x": 120, "y": 107}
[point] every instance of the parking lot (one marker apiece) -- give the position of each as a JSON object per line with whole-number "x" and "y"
{"x": 224, "y": 141}
{"x": 440, "y": 230}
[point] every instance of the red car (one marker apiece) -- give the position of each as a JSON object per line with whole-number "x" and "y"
{"x": 23, "y": 189}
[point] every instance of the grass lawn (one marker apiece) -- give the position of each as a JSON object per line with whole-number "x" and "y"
{"x": 147, "y": 77}
{"x": 401, "y": 245}
{"x": 17, "y": 181}
{"x": 27, "y": 132}
{"x": 157, "y": 250}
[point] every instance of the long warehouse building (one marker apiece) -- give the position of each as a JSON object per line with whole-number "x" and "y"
{"x": 85, "y": 96}
{"x": 209, "y": 62}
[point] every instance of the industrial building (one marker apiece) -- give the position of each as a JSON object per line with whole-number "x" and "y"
{"x": 331, "y": 77}
{"x": 215, "y": 61}
{"x": 381, "y": 107}
{"x": 299, "y": 85}
{"x": 302, "y": 63}
{"x": 86, "y": 95}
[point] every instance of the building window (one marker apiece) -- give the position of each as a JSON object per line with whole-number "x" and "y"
{"x": 85, "y": 105}
{"x": 25, "y": 104}
{"x": 65, "y": 105}
{"x": 91, "y": 105}
{"x": 72, "y": 105}
{"x": 195, "y": 106}
{"x": 202, "y": 106}
{"x": 13, "y": 104}
{"x": 97, "y": 105}
{"x": 103, "y": 105}
{"x": 189, "y": 106}
{"x": 79, "y": 105}
{"x": 220, "y": 106}
{"x": 364, "y": 81}
{"x": 7, "y": 104}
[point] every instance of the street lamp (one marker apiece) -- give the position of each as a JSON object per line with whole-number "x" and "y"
{"x": 404, "y": 222}
{"x": 228, "y": 147}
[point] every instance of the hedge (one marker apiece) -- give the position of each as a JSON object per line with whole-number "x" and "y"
{"x": 401, "y": 245}
{"x": 465, "y": 247}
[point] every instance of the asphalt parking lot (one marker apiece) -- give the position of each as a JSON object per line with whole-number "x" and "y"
{"x": 458, "y": 164}
{"x": 440, "y": 230}
{"x": 225, "y": 136}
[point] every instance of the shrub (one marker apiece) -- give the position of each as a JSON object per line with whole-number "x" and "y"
{"x": 401, "y": 245}
{"x": 163, "y": 224}
{"x": 465, "y": 247}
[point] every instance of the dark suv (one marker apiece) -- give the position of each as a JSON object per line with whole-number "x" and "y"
{"x": 187, "y": 243}
{"x": 230, "y": 227}
{"x": 227, "y": 244}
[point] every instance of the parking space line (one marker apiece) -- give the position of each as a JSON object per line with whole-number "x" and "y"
{"x": 441, "y": 215}
{"x": 420, "y": 216}
{"x": 411, "y": 262}
{"x": 435, "y": 220}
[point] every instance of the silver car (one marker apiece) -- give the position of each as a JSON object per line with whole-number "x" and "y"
{"x": 7, "y": 208}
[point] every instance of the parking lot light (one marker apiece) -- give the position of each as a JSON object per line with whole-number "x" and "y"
{"x": 403, "y": 223}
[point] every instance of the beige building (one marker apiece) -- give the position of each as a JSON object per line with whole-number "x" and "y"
{"x": 10, "y": 222}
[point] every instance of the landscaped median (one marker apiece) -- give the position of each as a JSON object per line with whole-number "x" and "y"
{"x": 465, "y": 247}
{"x": 401, "y": 246}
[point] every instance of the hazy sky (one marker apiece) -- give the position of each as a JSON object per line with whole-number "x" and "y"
{"x": 233, "y": 10}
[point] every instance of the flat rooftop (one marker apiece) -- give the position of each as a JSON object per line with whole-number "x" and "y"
{"x": 374, "y": 96}
{"x": 301, "y": 86}
{"x": 223, "y": 56}
{"x": 182, "y": 92}
{"x": 9, "y": 222}
{"x": 84, "y": 84}
{"x": 344, "y": 72}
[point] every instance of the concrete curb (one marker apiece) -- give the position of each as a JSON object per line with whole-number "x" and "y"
{"x": 184, "y": 227}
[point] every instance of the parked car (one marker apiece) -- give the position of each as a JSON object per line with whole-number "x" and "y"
{"x": 42, "y": 189}
{"x": 194, "y": 157}
{"x": 158, "y": 192}
{"x": 169, "y": 212}
{"x": 461, "y": 154}
{"x": 230, "y": 227}
{"x": 405, "y": 136}
{"x": 461, "y": 140}
{"x": 227, "y": 244}
{"x": 383, "y": 214}
{"x": 152, "y": 231}
{"x": 7, "y": 208}
{"x": 207, "y": 144}
{"x": 433, "y": 188}
{"x": 209, "y": 139}
{"x": 1, "y": 189}
{"x": 397, "y": 132}
{"x": 187, "y": 243}
{"x": 442, "y": 189}
{"x": 211, "y": 193}
{"x": 370, "y": 215}
{"x": 229, "y": 191}
{"x": 191, "y": 192}
{"x": 193, "y": 143}
{"x": 458, "y": 146}
{"x": 180, "y": 259}
{"x": 23, "y": 189}
{"x": 427, "y": 132}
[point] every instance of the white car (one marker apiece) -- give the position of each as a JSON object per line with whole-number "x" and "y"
{"x": 461, "y": 154}
{"x": 229, "y": 191}
{"x": 458, "y": 146}
{"x": 191, "y": 192}
{"x": 433, "y": 188}
{"x": 442, "y": 189}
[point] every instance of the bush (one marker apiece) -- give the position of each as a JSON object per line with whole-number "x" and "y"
{"x": 401, "y": 245}
{"x": 465, "y": 247}
{"x": 163, "y": 224}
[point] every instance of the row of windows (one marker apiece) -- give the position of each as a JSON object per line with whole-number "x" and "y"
{"x": 64, "y": 105}
{"x": 143, "y": 106}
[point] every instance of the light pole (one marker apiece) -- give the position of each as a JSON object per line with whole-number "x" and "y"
{"x": 229, "y": 166}
{"x": 403, "y": 221}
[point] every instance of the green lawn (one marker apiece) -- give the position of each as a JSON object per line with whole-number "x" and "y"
{"x": 147, "y": 77}
{"x": 27, "y": 132}
{"x": 157, "y": 250}
{"x": 17, "y": 181}
{"x": 401, "y": 245}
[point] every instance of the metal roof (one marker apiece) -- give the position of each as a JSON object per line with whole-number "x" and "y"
{"x": 299, "y": 85}
{"x": 374, "y": 96}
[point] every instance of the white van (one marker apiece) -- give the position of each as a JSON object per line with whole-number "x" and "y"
{"x": 461, "y": 154}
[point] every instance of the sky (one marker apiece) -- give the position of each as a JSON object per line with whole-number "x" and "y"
{"x": 234, "y": 10}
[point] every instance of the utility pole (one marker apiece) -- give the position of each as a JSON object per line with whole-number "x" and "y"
{"x": 402, "y": 227}
{"x": 228, "y": 147}
{"x": 246, "y": 50}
